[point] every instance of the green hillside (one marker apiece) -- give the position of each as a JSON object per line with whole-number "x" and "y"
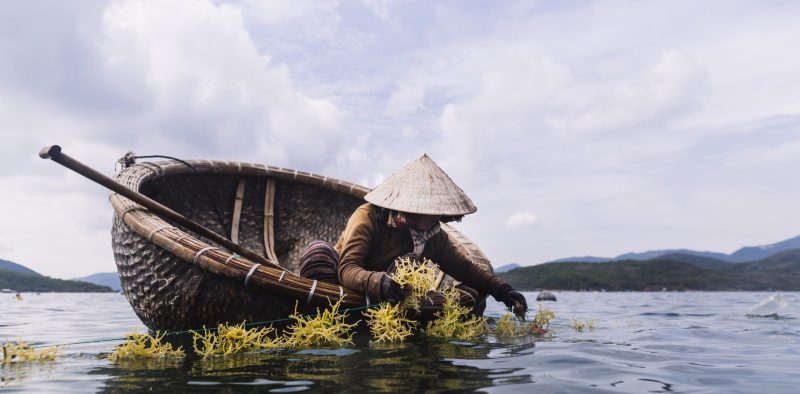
{"x": 30, "y": 282}
{"x": 12, "y": 266}
{"x": 673, "y": 272}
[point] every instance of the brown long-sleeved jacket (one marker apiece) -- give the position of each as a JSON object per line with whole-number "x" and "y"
{"x": 367, "y": 248}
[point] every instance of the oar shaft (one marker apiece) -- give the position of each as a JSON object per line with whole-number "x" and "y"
{"x": 54, "y": 153}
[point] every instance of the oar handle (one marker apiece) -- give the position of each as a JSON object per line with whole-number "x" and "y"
{"x": 54, "y": 153}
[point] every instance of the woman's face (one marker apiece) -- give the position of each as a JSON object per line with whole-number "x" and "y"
{"x": 422, "y": 222}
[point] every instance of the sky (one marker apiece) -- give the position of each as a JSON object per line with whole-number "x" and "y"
{"x": 576, "y": 127}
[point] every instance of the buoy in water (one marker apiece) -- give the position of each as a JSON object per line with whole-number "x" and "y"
{"x": 546, "y": 296}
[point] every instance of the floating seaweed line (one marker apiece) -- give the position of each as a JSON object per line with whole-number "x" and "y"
{"x": 184, "y": 332}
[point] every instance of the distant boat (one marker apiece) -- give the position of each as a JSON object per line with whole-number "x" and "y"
{"x": 177, "y": 280}
{"x": 7, "y": 291}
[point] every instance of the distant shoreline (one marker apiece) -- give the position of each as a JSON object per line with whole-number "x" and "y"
{"x": 677, "y": 273}
{"x": 16, "y": 281}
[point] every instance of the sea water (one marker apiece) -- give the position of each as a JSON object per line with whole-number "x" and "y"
{"x": 696, "y": 342}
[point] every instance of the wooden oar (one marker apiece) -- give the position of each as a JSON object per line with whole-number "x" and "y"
{"x": 54, "y": 153}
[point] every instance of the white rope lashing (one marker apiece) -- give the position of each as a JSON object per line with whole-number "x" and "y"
{"x": 162, "y": 227}
{"x": 228, "y": 260}
{"x": 249, "y": 274}
{"x": 311, "y": 293}
{"x": 206, "y": 249}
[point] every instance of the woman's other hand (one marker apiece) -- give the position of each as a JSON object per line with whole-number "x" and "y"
{"x": 391, "y": 291}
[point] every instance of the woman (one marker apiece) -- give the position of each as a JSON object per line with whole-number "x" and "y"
{"x": 402, "y": 218}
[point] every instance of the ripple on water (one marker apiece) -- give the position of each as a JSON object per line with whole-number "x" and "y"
{"x": 661, "y": 314}
{"x": 673, "y": 348}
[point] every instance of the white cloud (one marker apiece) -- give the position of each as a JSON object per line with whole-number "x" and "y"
{"x": 624, "y": 126}
{"x": 319, "y": 15}
{"x": 405, "y": 100}
{"x": 521, "y": 219}
{"x": 379, "y": 7}
{"x": 208, "y": 85}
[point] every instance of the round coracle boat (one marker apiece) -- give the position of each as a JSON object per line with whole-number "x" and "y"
{"x": 176, "y": 279}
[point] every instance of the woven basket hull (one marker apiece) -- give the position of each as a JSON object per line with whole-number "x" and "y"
{"x": 175, "y": 279}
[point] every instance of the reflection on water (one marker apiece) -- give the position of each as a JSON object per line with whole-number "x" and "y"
{"x": 645, "y": 342}
{"x": 420, "y": 365}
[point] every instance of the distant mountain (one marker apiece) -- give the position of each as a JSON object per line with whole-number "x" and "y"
{"x": 779, "y": 271}
{"x": 507, "y": 267}
{"x": 11, "y": 266}
{"x": 675, "y": 271}
{"x": 108, "y": 279}
{"x": 657, "y": 253}
{"x": 699, "y": 261}
{"x": 749, "y": 253}
{"x": 19, "y": 278}
{"x": 752, "y": 253}
{"x": 584, "y": 259}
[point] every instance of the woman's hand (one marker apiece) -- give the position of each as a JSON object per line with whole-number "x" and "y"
{"x": 391, "y": 291}
{"x": 513, "y": 299}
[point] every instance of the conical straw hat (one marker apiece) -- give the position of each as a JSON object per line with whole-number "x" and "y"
{"x": 421, "y": 187}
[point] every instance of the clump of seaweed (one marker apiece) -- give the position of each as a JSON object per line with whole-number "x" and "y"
{"x": 388, "y": 323}
{"x": 144, "y": 346}
{"x": 21, "y": 352}
{"x": 509, "y": 327}
{"x": 579, "y": 326}
{"x": 419, "y": 277}
{"x": 456, "y": 321}
{"x": 541, "y": 321}
{"x": 232, "y": 339}
{"x": 327, "y": 328}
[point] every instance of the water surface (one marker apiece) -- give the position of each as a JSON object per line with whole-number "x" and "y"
{"x": 694, "y": 342}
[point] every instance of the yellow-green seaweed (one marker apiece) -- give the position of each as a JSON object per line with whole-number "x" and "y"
{"x": 232, "y": 339}
{"x": 327, "y": 328}
{"x": 541, "y": 320}
{"x": 579, "y": 326}
{"x": 144, "y": 346}
{"x": 509, "y": 327}
{"x": 419, "y": 277}
{"x": 22, "y": 352}
{"x": 455, "y": 321}
{"x": 388, "y": 323}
